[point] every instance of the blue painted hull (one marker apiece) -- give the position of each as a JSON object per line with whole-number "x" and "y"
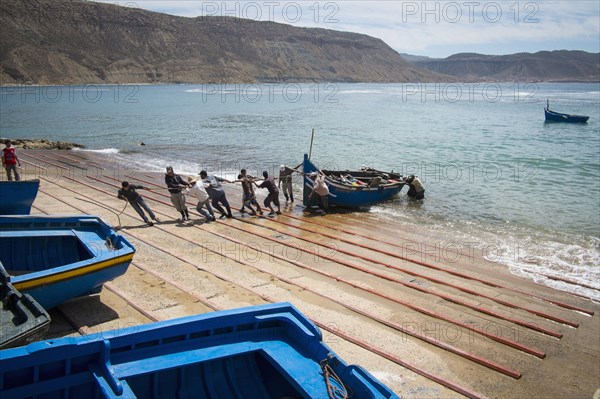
{"x": 269, "y": 351}
{"x": 552, "y": 116}
{"x": 16, "y": 197}
{"x": 349, "y": 196}
{"x": 55, "y": 259}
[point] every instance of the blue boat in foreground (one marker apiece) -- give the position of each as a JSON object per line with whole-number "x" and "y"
{"x": 368, "y": 187}
{"x": 56, "y": 258}
{"x": 259, "y": 352}
{"x": 16, "y": 197}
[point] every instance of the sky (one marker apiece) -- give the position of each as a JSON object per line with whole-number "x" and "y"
{"x": 430, "y": 28}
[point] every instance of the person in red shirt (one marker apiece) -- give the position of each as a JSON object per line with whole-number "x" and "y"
{"x": 10, "y": 161}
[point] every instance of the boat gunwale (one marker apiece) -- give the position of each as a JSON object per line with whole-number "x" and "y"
{"x": 139, "y": 335}
{"x": 71, "y": 271}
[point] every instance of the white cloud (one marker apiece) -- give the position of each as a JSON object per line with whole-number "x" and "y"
{"x": 461, "y": 26}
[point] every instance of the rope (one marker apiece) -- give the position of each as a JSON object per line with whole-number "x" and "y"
{"x": 120, "y": 213}
{"x": 335, "y": 387}
{"x": 107, "y": 208}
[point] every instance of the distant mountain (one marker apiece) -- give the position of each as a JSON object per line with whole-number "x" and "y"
{"x": 414, "y": 58}
{"x": 543, "y": 66}
{"x": 65, "y": 42}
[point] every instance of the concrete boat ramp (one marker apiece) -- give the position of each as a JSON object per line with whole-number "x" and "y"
{"x": 429, "y": 319}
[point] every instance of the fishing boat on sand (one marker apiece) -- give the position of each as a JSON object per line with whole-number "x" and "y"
{"x": 267, "y": 351}
{"x": 57, "y": 258}
{"x": 16, "y": 197}
{"x": 353, "y": 189}
{"x": 552, "y": 116}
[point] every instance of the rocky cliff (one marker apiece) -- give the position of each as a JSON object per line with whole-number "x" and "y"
{"x": 543, "y": 66}
{"x": 76, "y": 42}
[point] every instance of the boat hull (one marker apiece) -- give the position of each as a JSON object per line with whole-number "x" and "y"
{"x": 552, "y": 116}
{"x": 268, "y": 351}
{"x": 55, "y": 259}
{"x": 348, "y": 196}
{"x": 16, "y": 197}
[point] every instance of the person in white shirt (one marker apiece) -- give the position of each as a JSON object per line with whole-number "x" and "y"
{"x": 416, "y": 189}
{"x": 199, "y": 191}
{"x": 285, "y": 179}
{"x": 320, "y": 187}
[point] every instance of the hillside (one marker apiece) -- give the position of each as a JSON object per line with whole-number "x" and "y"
{"x": 543, "y": 66}
{"x": 67, "y": 42}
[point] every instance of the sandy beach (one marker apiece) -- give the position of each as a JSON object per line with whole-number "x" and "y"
{"x": 430, "y": 320}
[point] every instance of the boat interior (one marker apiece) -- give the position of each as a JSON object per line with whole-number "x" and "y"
{"x": 248, "y": 375}
{"x": 271, "y": 356}
{"x": 361, "y": 178}
{"x": 37, "y": 252}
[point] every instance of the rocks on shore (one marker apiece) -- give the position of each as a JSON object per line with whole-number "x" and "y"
{"x": 43, "y": 144}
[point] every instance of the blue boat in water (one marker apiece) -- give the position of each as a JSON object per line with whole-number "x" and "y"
{"x": 352, "y": 189}
{"x": 16, "y": 197}
{"x": 553, "y": 116}
{"x": 56, "y": 258}
{"x": 259, "y": 352}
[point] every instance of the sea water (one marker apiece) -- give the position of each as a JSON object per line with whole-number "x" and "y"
{"x": 497, "y": 177}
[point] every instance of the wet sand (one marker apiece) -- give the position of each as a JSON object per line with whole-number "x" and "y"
{"x": 430, "y": 320}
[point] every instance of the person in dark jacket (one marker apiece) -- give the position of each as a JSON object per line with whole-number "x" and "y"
{"x": 175, "y": 185}
{"x": 273, "y": 197}
{"x": 128, "y": 193}
{"x": 249, "y": 197}
{"x": 216, "y": 193}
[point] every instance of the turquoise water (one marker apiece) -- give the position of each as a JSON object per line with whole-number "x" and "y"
{"x": 496, "y": 175}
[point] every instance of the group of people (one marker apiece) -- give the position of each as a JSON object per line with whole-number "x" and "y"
{"x": 210, "y": 194}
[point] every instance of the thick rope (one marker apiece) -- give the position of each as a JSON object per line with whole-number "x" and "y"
{"x": 335, "y": 387}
